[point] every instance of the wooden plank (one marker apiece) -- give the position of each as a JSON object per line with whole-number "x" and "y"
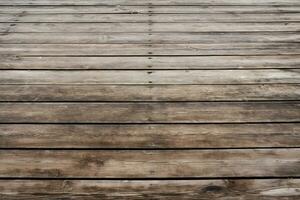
{"x": 262, "y": 92}
{"x": 148, "y": 27}
{"x": 150, "y": 164}
{"x": 182, "y": 62}
{"x": 146, "y": 9}
{"x": 146, "y": 2}
{"x": 153, "y": 38}
{"x": 261, "y": 189}
{"x": 154, "y": 18}
{"x": 150, "y": 136}
{"x": 150, "y": 49}
{"x": 201, "y": 112}
{"x": 268, "y": 76}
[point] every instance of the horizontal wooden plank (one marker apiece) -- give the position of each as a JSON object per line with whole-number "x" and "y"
{"x": 267, "y": 76}
{"x": 182, "y": 62}
{"x": 146, "y": 9}
{"x": 201, "y": 112}
{"x": 137, "y": 93}
{"x": 150, "y": 136}
{"x": 145, "y": 18}
{"x": 150, "y": 164}
{"x": 149, "y": 49}
{"x": 261, "y": 189}
{"x": 146, "y": 27}
{"x": 153, "y": 38}
{"x": 146, "y": 2}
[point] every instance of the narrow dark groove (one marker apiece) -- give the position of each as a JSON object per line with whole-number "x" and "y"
{"x": 144, "y": 149}
{"x": 154, "y": 101}
{"x": 155, "y": 178}
{"x": 145, "y": 22}
{"x": 146, "y": 123}
{"x": 150, "y": 69}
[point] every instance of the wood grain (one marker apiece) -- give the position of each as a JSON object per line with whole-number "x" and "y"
{"x": 268, "y": 76}
{"x": 208, "y": 9}
{"x": 151, "y": 62}
{"x": 202, "y": 112}
{"x": 150, "y": 136}
{"x": 151, "y": 164}
{"x": 154, "y": 38}
{"x": 146, "y": 2}
{"x": 154, "y": 18}
{"x": 137, "y": 93}
{"x": 261, "y": 189}
{"x": 145, "y": 27}
{"x": 150, "y": 49}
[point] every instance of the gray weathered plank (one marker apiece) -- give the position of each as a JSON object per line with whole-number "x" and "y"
{"x": 150, "y": 164}
{"x": 201, "y": 112}
{"x": 146, "y": 2}
{"x": 182, "y": 62}
{"x": 146, "y": 9}
{"x": 267, "y": 76}
{"x": 262, "y": 92}
{"x": 146, "y": 27}
{"x": 153, "y": 38}
{"x": 150, "y": 49}
{"x": 150, "y": 136}
{"x": 260, "y": 189}
{"x": 153, "y": 18}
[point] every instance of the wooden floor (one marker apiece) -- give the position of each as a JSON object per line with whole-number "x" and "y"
{"x": 149, "y": 99}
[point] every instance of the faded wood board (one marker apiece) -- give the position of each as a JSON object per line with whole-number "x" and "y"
{"x": 151, "y": 163}
{"x": 202, "y": 112}
{"x": 154, "y": 38}
{"x": 268, "y": 76}
{"x": 139, "y": 93}
{"x": 148, "y": 9}
{"x": 150, "y": 49}
{"x": 150, "y": 62}
{"x": 154, "y": 18}
{"x": 146, "y": 27}
{"x": 150, "y": 136}
{"x": 152, "y": 2}
{"x": 250, "y": 189}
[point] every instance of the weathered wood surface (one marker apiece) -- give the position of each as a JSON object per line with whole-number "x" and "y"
{"x": 154, "y": 18}
{"x": 150, "y": 136}
{"x": 145, "y": 27}
{"x": 150, "y": 62}
{"x": 148, "y": 9}
{"x": 151, "y": 163}
{"x": 154, "y": 38}
{"x": 150, "y": 49}
{"x": 136, "y": 93}
{"x": 202, "y": 96}
{"x": 152, "y": 2}
{"x": 268, "y": 76}
{"x": 202, "y": 112}
{"x": 261, "y": 189}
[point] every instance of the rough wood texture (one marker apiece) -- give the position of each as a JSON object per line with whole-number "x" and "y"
{"x": 144, "y": 18}
{"x": 86, "y": 93}
{"x": 150, "y": 136}
{"x": 161, "y": 99}
{"x": 151, "y": 164}
{"x": 148, "y": 9}
{"x": 152, "y": 2}
{"x": 144, "y": 27}
{"x": 259, "y": 189}
{"x": 150, "y": 62}
{"x": 204, "y": 112}
{"x": 150, "y": 49}
{"x": 155, "y": 38}
{"x": 151, "y": 76}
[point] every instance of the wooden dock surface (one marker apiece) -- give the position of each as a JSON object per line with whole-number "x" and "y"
{"x": 149, "y": 99}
